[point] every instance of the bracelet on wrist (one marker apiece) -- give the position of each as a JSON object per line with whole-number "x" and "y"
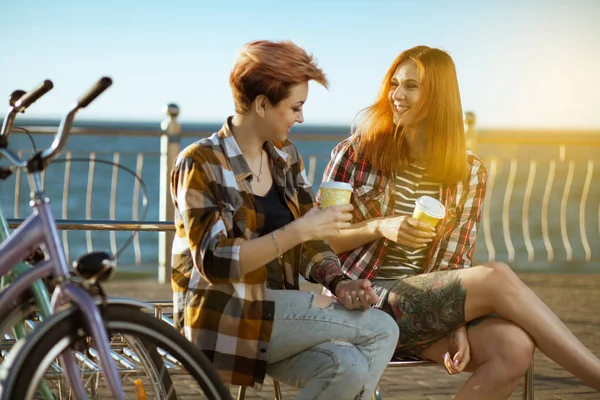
{"x": 274, "y": 237}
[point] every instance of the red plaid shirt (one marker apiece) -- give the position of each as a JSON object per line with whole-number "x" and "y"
{"x": 374, "y": 196}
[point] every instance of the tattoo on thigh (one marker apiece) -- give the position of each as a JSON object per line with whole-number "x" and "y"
{"x": 427, "y": 306}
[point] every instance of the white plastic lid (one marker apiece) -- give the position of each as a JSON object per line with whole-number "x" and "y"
{"x": 336, "y": 185}
{"x": 431, "y": 206}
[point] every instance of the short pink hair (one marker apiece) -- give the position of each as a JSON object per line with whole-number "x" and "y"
{"x": 270, "y": 68}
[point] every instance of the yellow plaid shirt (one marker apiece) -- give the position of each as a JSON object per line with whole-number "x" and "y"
{"x": 225, "y": 312}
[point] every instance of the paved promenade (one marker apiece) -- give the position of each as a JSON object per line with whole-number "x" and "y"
{"x": 575, "y": 298}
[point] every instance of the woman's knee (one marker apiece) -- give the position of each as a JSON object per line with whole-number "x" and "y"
{"x": 510, "y": 349}
{"x": 516, "y": 351}
{"x": 501, "y": 270}
{"x": 383, "y": 326}
{"x": 499, "y": 277}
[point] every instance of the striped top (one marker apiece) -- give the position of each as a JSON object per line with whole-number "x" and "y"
{"x": 401, "y": 260}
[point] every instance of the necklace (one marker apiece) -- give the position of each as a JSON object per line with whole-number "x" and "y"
{"x": 259, "y": 169}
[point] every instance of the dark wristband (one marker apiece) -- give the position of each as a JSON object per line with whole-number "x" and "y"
{"x": 337, "y": 280}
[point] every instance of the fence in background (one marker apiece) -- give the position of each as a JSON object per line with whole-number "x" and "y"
{"x": 541, "y": 207}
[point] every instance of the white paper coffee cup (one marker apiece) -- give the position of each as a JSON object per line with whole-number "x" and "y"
{"x": 429, "y": 210}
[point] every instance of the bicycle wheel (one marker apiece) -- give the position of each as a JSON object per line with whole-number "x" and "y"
{"x": 154, "y": 360}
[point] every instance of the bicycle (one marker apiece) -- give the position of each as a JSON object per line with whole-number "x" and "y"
{"x": 82, "y": 319}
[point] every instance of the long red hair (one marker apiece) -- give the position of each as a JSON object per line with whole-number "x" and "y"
{"x": 384, "y": 145}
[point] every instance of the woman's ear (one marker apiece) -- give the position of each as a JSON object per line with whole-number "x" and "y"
{"x": 260, "y": 105}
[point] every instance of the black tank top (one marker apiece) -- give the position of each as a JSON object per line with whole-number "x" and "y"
{"x": 277, "y": 215}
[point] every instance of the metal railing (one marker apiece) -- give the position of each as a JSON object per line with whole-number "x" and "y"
{"x": 540, "y": 207}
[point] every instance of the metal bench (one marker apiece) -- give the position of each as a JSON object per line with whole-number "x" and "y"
{"x": 159, "y": 307}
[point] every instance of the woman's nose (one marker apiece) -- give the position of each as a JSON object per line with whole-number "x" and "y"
{"x": 398, "y": 94}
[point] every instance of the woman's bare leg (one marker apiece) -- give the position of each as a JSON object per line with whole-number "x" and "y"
{"x": 501, "y": 353}
{"x": 495, "y": 288}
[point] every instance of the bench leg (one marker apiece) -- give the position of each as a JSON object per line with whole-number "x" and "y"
{"x": 241, "y": 393}
{"x": 528, "y": 384}
{"x": 276, "y": 390}
{"x": 377, "y": 394}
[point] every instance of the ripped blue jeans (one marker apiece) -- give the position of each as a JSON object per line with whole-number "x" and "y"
{"x": 331, "y": 352}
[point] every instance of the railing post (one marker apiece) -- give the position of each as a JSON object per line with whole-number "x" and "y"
{"x": 170, "y": 146}
{"x": 470, "y": 133}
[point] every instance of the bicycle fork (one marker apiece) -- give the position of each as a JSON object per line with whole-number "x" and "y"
{"x": 99, "y": 335}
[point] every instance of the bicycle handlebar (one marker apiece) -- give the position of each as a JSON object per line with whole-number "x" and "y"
{"x": 94, "y": 92}
{"x": 20, "y": 104}
{"x": 31, "y": 97}
{"x": 41, "y": 158}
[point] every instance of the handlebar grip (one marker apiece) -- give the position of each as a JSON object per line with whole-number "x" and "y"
{"x": 94, "y": 92}
{"x": 31, "y": 97}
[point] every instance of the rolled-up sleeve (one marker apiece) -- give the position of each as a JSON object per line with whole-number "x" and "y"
{"x": 206, "y": 223}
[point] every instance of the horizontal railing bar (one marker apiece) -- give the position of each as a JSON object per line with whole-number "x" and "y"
{"x": 538, "y": 139}
{"x": 105, "y": 225}
{"x": 186, "y": 134}
{"x": 323, "y": 133}
{"x": 513, "y": 138}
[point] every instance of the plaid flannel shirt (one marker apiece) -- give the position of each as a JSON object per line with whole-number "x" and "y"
{"x": 225, "y": 312}
{"x": 374, "y": 196}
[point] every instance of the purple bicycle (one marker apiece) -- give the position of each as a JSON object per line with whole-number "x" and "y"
{"x": 90, "y": 346}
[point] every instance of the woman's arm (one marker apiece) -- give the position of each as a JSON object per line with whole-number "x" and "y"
{"x": 356, "y": 236}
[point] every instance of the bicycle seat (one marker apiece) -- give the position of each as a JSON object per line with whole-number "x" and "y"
{"x": 97, "y": 266}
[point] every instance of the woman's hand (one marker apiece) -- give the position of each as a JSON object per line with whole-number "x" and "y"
{"x": 355, "y": 294}
{"x": 320, "y": 224}
{"x": 406, "y": 230}
{"x": 459, "y": 346}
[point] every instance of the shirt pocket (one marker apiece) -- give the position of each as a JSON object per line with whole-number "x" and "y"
{"x": 369, "y": 202}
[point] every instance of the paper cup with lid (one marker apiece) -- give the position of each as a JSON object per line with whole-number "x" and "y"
{"x": 429, "y": 210}
{"x": 335, "y": 193}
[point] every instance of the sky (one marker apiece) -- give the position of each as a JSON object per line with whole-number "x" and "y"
{"x": 520, "y": 63}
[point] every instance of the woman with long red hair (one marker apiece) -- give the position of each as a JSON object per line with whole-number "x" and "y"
{"x": 410, "y": 143}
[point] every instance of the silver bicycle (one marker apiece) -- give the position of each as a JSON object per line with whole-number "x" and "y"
{"x": 136, "y": 356}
